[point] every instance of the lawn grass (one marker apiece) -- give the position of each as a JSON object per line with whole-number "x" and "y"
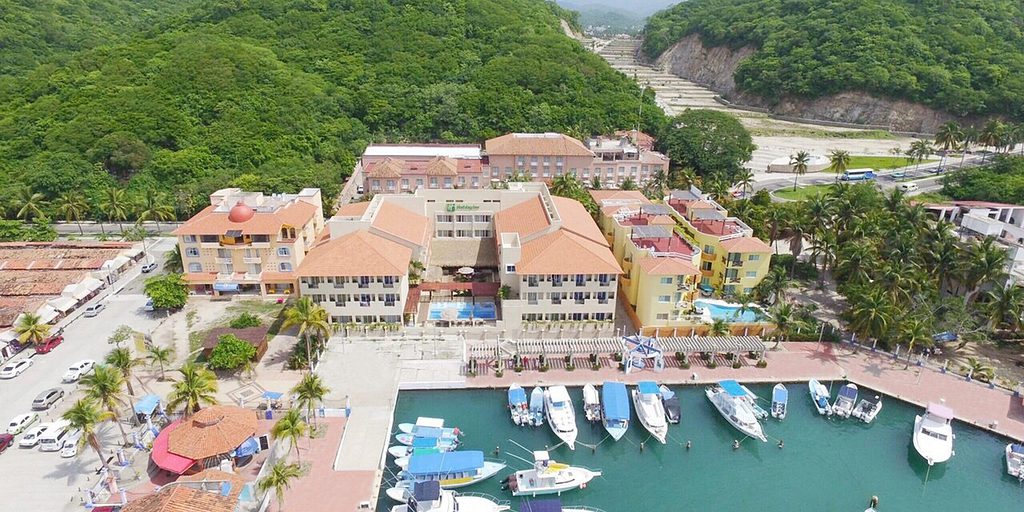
{"x": 802, "y": 192}
{"x": 882, "y": 162}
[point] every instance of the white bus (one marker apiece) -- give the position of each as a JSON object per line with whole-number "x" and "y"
{"x": 858, "y": 175}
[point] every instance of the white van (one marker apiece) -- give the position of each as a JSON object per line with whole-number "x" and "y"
{"x": 908, "y": 187}
{"x": 53, "y": 439}
{"x": 71, "y": 443}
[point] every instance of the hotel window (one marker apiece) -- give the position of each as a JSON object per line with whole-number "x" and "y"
{"x": 753, "y": 257}
{"x": 556, "y": 280}
{"x": 531, "y": 298}
{"x": 510, "y": 269}
{"x": 445, "y": 233}
{"x": 547, "y": 174}
{"x": 188, "y": 239}
{"x": 375, "y": 184}
{"x": 547, "y": 160}
{"x": 533, "y": 160}
{"x": 447, "y": 183}
{"x": 227, "y": 268}
{"x": 602, "y": 297}
{"x": 520, "y": 161}
{"x": 464, "y": 233}
{"x": 666, "y": 280}
{"x": 661, "y": 316}
{"x": 389, "y": 281}
{"x": 664, "y": 299}
{"x": 364, "y": 282}
{"x": 482, "y": 218}
{"x": 705, "y": 265}
{"x": 364, "y": 300}
{"x": 463, "y": 218}
{"x": 405, "y": 184}
{"x": 495, "y": 171}
{"x": 445, "y": 218}
{"x": 556, "y": 298}
{"x": 191, "y": 252}
{"x": 390, "y": 299}
{"x": 285, "y": 267}
{"x": 482, "y": 233}
{"x": 603, "y": 279}
{"x": 751, "y": 274}
{"x": 579, "y": 297}
{"x": 709, "y": 250}
{"x": 283, "y": 251}
{"x": 255, "y": 268}
{"x": 419, "y": 182}
{"x": 195, "y": 267}
{"x": 632, "y": 171}
{"x": 433, "y": 182}
{"x": 391, "y": 184}
{"x": 476, "y": 182}
{"x": 208, "y": 239}
{"x": 508, "y": 172}
{"x": 531, "y": 281}
{"x": 462, "y": 181}
{"x": 581, "y": 279}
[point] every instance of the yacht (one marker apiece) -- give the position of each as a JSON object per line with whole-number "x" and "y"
{"x": 553, "y": 505}
{"x": 548, "y": 477}
{"x": 820, "y": 396}
{"x": 561, "y": 415}
{"x": 537, "y": 407}
{"x": 671, "y": 403}
{"x": 729, "y": 400}
{"x": 615, "y": 403}
{"x": 591, "y": 403}
{"x": 650, "y": 410}
{"x": 430, "y": 497}
{"x": 517, "y": 406}
{"x": 1015, "y": 460}
{"x": 867, "y": 409}
{"x": 845, "y": 402}
{"x": 780, "y": 399}
{"x": 451, "y": 469}
{"x": 933, "y": 434}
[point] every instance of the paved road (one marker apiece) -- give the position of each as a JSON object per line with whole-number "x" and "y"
{"x": 36, "y": 480}
{"x": 94, "y": 228}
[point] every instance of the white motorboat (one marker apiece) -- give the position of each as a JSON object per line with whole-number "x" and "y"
{"x": 933, "y": 434}
{"x": 846, "y": 401}
{"x": 867, "y": 409}
{"x": 650, "y": 410}
{"x": 671, "y": 403}
{"x": 452, "y": 469}
{"x": 1015, "y": 460}
{"x": 517, "y": 405}
{"x": 820, "y": 397}
{"x": 537, "y": 406}
{"x": 591, "y": 403}
{"x": 751, "y": 399}
{"x": 548, "y": 477}
{"x": 560, "y": 415}
{"x": 553, "y": 505}
{"x": 428, "y": 438}
{"x": 780, "y": 399}
{"x": 615, "y": 413}
{"x": 729, "y": 400}
{"x": 427, "y": 426}
{"x": 421, "y": 445}
{"x": 430, "y": 497}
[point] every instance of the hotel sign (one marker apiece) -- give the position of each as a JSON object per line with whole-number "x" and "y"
{"x": 459, "y": 207}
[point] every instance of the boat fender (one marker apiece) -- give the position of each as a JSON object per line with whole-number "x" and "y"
{"x": 583, "y": 485}
{"x": 874, "y": 502}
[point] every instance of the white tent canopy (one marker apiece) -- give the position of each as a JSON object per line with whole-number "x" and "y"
{"x": 63, "y": 304}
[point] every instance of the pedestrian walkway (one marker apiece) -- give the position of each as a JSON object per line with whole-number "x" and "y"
{"x": 322, "y": 488}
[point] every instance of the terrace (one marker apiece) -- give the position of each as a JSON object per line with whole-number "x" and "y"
{"x": 662, "y": 241}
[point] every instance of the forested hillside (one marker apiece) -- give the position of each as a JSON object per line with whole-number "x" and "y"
{"x": 965, "y": 57}
{"x": 279, "y": 94}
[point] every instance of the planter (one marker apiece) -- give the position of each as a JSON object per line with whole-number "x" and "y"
{"x": 763, "y": 363}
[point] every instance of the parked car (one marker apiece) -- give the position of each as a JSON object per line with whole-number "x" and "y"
{"x": 79, "y": 370}
{"x": 898, "y": 175}
{"x": 938, "y": 170}
{"x": 908, "y": 187}
{"x": 47, "y": 398}
{"x": 148, "y": 267}
{"x": 71, "y": 443}
{"x": 94, "y": 309}
{"x": 21, "y": 422}
{"x": 149, "y": 306}
{"x": 32, "y": 436}
{"x": 13, "y": 369}
{"x": 6, "y": 440}
{"x": 49, "y": 344}
{"x": 53, "y": 439}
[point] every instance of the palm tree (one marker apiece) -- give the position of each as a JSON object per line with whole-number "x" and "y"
{"x": 948, "y": 137}
{"x": 312, "y": 320}
{"x": 784, "y": 318}
{"x": 121, "y": 358}
{"x": 72, "y": 207}
{"x": 310, "y": 391}
{"x": 979, "y": 370}
{"x": 872, "y": 314}
{"x": 773, "y": 285}
{"x": 744, "y": 179}
{"x": 595, "y": 183}
{"x": 991, "y": 135}
{"x": 799, "y": 162}
{"x": 104, "y": 386}
{"x": 566, "y": 185}
{"x": 718, "y": 328}
{"x": 173, "y": 262}
{"x": 28, "y": 204}
{"x": 776, "y": 219}
{"x": 823, "y": 251}
{"x": 86, "y": 415}
{"x": 919, "y": 150}
{"x": 197, "y": 386}
{"x": 115, "y": 205}
{"x": 913, "y": 332}
{"x": 796, "y": 230}
{"x": 628, "y": 184}
{"x": 1005, "y": 306}
{"x": 657, "y": 185}
{"x": 984, "y": 263}
{"x": 154, "y": 207}
{"x": 31, "y": 329}
{"x": 970, "y": 137}
{"x": 160, "y": 356}
{"x": 279, "y": 478}
{"x": 682, "y": 178}
{"x": 839, "y": 161}
{"x": 291, "y": 427}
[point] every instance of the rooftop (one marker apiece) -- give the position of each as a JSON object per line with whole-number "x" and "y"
{"x": 423, "y": 151}
{"x": 359, "y": 253}
{"x": 526, "y": 218}
{"x": 436, "y": 166}
{"x": 538, "y": 144}
{"x": 662, "y": 240}
{"x": 668, "y": 266}
{"x": 269, "y": 213}
{"x": 606, "y": 197}
{"x": 746, "y": 244}
{"x": 566, "y": 252}
{"x": 399, "y": 222}
{"x": 182, "y": 498}
{"x": 215, "y": 430}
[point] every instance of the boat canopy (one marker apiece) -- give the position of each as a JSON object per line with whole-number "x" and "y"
{"x": 445, "y": 463}
{"x": 647, "y": 387}
{"x": 517, "y": 396}
{"x": 1017, "y": 448}
{"x": 733, "y": 388}
{"x": 424, "y": 421}
{"x": 424, "y": 442}
{"x": 558, "y": 394}
{"x": 848, "y": 391}
{"x": 615, "y": 401}
{"x": 431, "y": 432}
{"x": 548, "y": 505}
{"x": 426, "y": 491}
{"x": 940, "y": 411}
{"x": 780, "y": 394}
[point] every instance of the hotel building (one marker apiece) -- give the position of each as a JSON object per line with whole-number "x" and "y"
{"x": 393, "y": 168}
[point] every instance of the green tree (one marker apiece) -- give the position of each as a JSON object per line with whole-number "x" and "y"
{"x": 231, "y": 353}
{"x": 121, "y": 358}
{"x": 310, "y": 391}
{"x": 279, "y": 479}
{"x": 718, "y": 327}
{"x": 708, "y": 141}
{"x": 784, "y": 318}
{"x": 196, "y": 386}
{"x": 1005, "y": 306}
{"x": 919, "y": 150}
{"x": 949, "y": 136}
{"x": 72, "y": 207}
{"x": 984, "y": 263}
{"x": 167, "y": 291}
{"x": 28, "y": 204}
{"x": 292, "y": 427}
{"x": 105, "y": 386}
{"x": 160, "y": 357}
{"x": 154, "y": 206}
{"x": 566, "y": 185}
{"x": 120, "y": 335}
{"x": 839, "y": 161}
{"x": 979, "y": 370}
{"x": 86, "y": 415}
{"x": 311, "y": 321}
{"x": 799, "y": 163}
{"x": 174, "y": 263}
{"x": 628, "y": 184}
{"x": 595, "y": 183}
{"x": 743, "y": 180}
{"x": 30, "y": 329}
{"x": 115, "y": 205}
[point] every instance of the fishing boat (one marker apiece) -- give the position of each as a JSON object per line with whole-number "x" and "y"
{"x": 517, "y": 405}
{"x": 933, "y": 434}
{"x": 1015, "y": 460}
{"x": 537, "y": 406}
{"x": 728, "y": 398}
{"x": 554, "y": 505}
{"x": 751, "y": 399}
{"x": 615, "y": 403}
{"x": 440, "y": 439}
{"x": 560, "y": 415}
{"x": 421, "y": 445}
{"x": 548, "y": 477}
{"x": 591, "y": 403}
{"x": 820, "y": 397}
{"x": 452, "y": 469}
{"x": 671, "y": 403}
{"x": 846, "y": 401}
{"x": 650, "y": 410}
{"x": 868, "y": 408}
{"x": 430, "y": 497}
{"x": 780, "y": 398}
{"x": 425, "y": 426}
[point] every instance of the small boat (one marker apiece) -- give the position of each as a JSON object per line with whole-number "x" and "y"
{"x": 517, "y": 406}
{"x": 430, "y": 497}
{"x": 560, "y": 415}
{"x": 933, "y": 434}
{"x": 671, "y": 403}
{"x": 1015, "y": 460}
{"x": 650, "y": 410}
{"x": 537, "y": 406}
{"x": 548, "y": 477}
{"x": 820, "y": 397}
{"x": 868, "y": 408}
{"x": 437, "y": 437}
{"x": 554, "y": 505}
{"x": 751, "y": 399}
{"x": 591, "y": 403}
{"x": 421, "y": 422}
{"x": 728, "y": 398}
{"x": 420, "y": 445}
{"x": 615, "y": 403}
{"x": 846, "y": 401}
{"x": 780, "y": 398}
{"x": 451, "y": 469}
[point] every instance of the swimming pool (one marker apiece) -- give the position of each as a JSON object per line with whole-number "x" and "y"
{"x": 730, "y": 312}
{"x": 462, "y": 311}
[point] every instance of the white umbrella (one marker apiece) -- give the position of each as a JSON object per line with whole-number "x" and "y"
{"x": 465, "y": 271}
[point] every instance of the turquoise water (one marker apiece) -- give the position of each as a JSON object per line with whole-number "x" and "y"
{"x": 827, "y": 464}
{"x": 729, "y": 313}
{"x": 467, "y": 311}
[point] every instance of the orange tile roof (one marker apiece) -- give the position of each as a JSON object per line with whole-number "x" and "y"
{"x": 540, "y": 144}
{"x": 746, "y": 244}
{"x": 359, "y": 253}
{"x": 564, "y": 252}
{"x": 698, "y": 205}
{"x": 404, "y": 224}
{"x": 633, "y": 195}
{"x": 215, "y": 475}
{"x": 352, "y": 209}
{"x": 642, "y": 139}
{"x": 577, "y": 219}
{"x": 661, "y": 220}
{"x": 441, "y": 166}
{"x": 661, "y": 266}
{"x": 525, "y": 218}
{"x": 212, "y": 431}
{"x": 387, "y": 168}
{"x": 208, "y": 222}
{"x": 181, "y": 498}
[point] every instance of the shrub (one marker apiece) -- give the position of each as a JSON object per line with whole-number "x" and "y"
{"x": 680, "y": 357}
{"x": 595, "y": 366}
{"x": 570, "y": 366}
{"x": 737, "y": 365}
{"x": 245, "y": 320}
{"x": 544, "y": 367}
{"x": 712, "y": 365}
{"x": 231, "y": 353}
{"x": 763, "y": 363}
{"x": 518, "y": 368}
{"x": 593, "y": 358}
{"x": 685, "y": 365}
{"x": 499, "y": 373}
{"x": 617, "y": 356}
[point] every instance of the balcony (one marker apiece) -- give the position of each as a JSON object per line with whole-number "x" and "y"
{"x": 252, "y": 260}
{"x": 364, "y": 285}
{"x": 223, "y": 261}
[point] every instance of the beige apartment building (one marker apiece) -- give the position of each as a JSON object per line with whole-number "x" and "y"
{"x": 394, "y": 168}
{"x": 248, "y": 242}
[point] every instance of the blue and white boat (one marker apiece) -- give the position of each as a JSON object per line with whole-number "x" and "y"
{"x": 517, "y": 405}
{"x": 730, "y": 400}
{"x": 591, "y": 403}
{"x": 553, "y": 505}
{"x": 780, "y": 399}
{"x": 650, "y": 410}
{"x": 439, "y": 437}
{"x": 846, "y": 401}
{"x": 425, "y": 424}
{"x": 430, "y": 497}
{"x": 615, "y": 409}
{"x": 820, "y": 397}
{"x": 537, "y": 406}
{"x": 671, "y": 403}
{"x": 751, "y": 399}
{"x": 423, "y": 445}
{"x": 452, "y": 469}
{"x": 1015, "y": 460}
